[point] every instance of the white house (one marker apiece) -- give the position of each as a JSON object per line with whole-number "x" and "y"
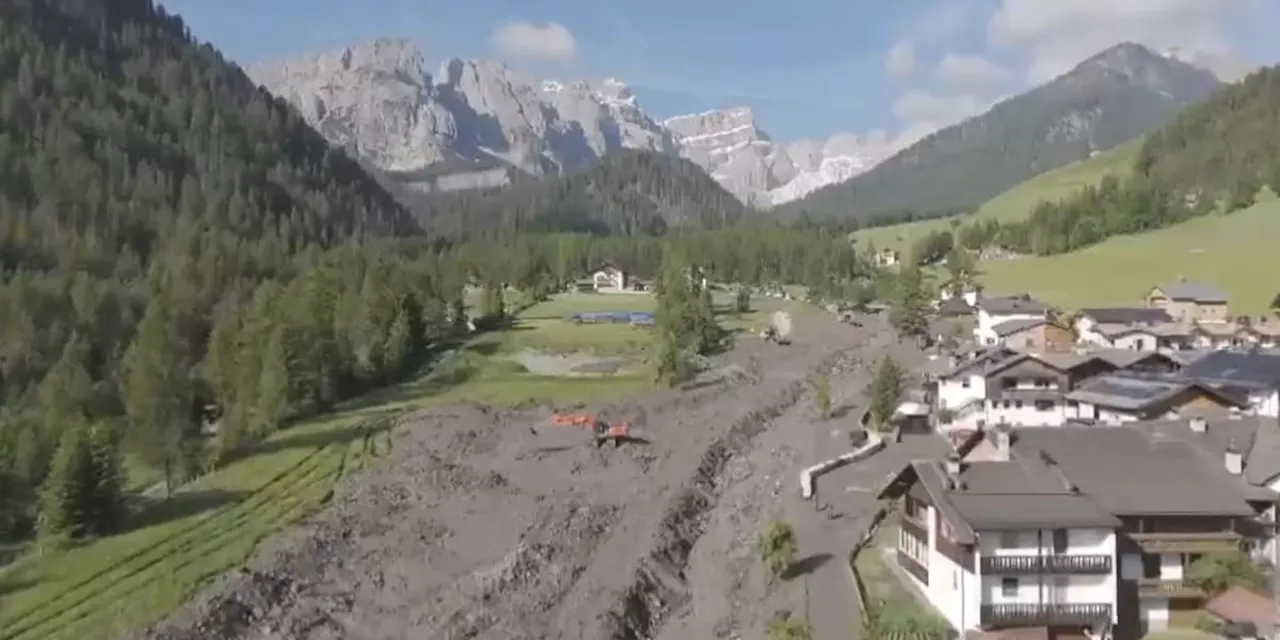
{"x": 887, "y": 258}
{"x": 995, "y": 311}
{"x": 1063, "y": 528}
{"x": 609, "y": 278}
{"x": 1099, "y": 326}
{"x": 966, "y": 290}
{"x": 1005, "y": 544}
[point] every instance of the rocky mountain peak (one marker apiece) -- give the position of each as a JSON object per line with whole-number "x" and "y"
{"x": 377, "y": 99}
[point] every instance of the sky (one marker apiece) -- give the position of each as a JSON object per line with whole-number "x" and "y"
{"x": 809, "y": 68}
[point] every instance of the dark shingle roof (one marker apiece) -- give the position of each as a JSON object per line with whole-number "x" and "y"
{"x": 955, "y": 306}
{"x": 1010, "y": 327}
{"x": 1134, "y": 393}
{"x": 1195, "y": 291}
{"x": 1127, "y": 315}
{"x": 1130, "y": 473}
{"x": 1256, "y": 437}
{"x": 1012, "y": 304}
{"x": 1254, "y": 369}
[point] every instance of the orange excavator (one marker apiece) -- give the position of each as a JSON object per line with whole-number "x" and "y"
{"x": 603, "y": 431}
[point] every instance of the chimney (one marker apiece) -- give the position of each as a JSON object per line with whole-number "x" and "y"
{"x": 953, "y": 470}
{"x": 1199, "y": 424}
{"x": 1002, "y": 440}
{"x": 1234, "y": 460}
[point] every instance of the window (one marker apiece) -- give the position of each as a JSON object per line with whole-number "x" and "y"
{"x": 1017, "y": 404}
{"x": 1009, "y": 587}
{"x": 965, "y": 383}
{"x": 1139, "y": 344}
{"x": 1044, "y": 405}
{"x": 1059, "y": 540}
{"x": 1008, "y": 539}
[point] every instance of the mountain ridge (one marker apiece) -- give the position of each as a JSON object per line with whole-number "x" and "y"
{"x": 1114, "y": 96}
{"x": 378, "y": 99}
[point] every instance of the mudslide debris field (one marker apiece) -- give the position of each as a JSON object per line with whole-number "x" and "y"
{"x": 486, "y": 523}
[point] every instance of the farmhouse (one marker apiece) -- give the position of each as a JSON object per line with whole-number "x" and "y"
{"x": 994, "y": 311}
{"x": 1041, "y": 334}
{"x": 1189, "y": 301}
{"x": 609, "y": 278}
{"x": 887, "y": 257}
{"x": 1082, "y": 533}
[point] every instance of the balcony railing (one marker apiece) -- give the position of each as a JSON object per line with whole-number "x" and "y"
{"x": 1028, "y": 615}
{"x": 1162, "y": 588}
{"x": 1053, "y": 563}
{"x": 1200, "y": 542}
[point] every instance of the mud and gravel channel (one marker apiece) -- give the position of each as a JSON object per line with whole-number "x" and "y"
{"x": 492, "y": 524}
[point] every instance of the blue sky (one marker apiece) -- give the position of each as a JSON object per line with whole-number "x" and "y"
{"x": 809, "y": 68}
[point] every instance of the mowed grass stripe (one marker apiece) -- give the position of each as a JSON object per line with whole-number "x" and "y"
{"x": 190, "y": 564}
{"x": 212, "y": 527}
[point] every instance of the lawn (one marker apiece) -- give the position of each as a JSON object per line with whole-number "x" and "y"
{"x": 108, "y": 586}
{"x": 1016, "y": 203}
{"x": 1231, "y": 251}
{"x": 886, "y": 587}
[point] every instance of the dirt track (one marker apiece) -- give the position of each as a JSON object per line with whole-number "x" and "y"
{"x": 491, "y": 524}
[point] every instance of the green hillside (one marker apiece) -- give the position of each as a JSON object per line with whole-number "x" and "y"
{"x": 1017, "y": 203}
{"x": 1232, "y": 251}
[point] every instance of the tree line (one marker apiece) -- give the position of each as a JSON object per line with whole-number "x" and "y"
{"x": 1213, "y": 157}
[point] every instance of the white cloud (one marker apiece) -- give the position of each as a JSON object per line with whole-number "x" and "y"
{"x": 546, "y": 41}
{"x": 900, "y": 62}
{"x": 970, "y": 71}
{"x": 1057, "y": 34}
{"x": 920, "y": 108}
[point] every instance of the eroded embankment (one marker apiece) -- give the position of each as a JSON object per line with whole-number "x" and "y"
{"x": 659, "y": 587}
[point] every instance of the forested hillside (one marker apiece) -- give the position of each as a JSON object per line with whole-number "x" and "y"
{"x": 1211, "y": 157}
{"x": 627, "y": 192}
{"x": 1107, "y": 100}
{"x": 151, "y": 194}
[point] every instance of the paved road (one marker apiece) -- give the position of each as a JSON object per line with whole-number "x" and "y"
{"x": 849, "y": 490}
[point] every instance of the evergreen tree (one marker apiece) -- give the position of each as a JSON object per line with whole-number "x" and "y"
{"x": 272, "y": 400}
{"x": 884, "y": 393}
{"x": 68, "y": 490}
{"x": 910, "y": 307}
{"x": 106, "y": 483}
{"x": 157, "y": 389}
{"x": 674, "y": 321}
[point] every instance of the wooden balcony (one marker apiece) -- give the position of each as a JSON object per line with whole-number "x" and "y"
{"x": 1201, "y": 542}
{"x": 1161, "y": 588}
{"x": 1036, "y": 615}
{"x": 1052, "y": 563}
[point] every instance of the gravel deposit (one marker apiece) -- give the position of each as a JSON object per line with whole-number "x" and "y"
{"x": 493, "y": 524}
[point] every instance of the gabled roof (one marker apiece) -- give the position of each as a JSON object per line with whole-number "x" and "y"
{"x": 1133, "y": 393}
{"x": 1012, "y": 304}
{"x": 1126, "y": 315}
{"x": 1010, "y": 327}
{"x": 1129, "y": 473}
{"x": 954, "y": 306}
{"x": 1256, "y": 369}
{"x": 1193, "y": 291}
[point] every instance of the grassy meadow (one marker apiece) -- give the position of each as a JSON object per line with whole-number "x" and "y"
{"x": 1232, "y": 251}
{"x": 1016, "y": 203}
{"x": 107, "y": 586}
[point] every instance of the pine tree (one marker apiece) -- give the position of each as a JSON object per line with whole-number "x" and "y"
{"x": 67, "y": 490}
{"x": 884, "y": 393}
{"x": 399, "y": 344}
{"x": 910, "y": 307}
{"x": 272, "y": 403}
{"x": 674, "y": 322}
{"x": 157, "y": 389}
{"x": 106, "y": 505}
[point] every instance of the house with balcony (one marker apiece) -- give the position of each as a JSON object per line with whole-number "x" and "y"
{"x": 1073, "y": 532}
{"x": 995, "y": 311}
{"x": 1030, "y": 389}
